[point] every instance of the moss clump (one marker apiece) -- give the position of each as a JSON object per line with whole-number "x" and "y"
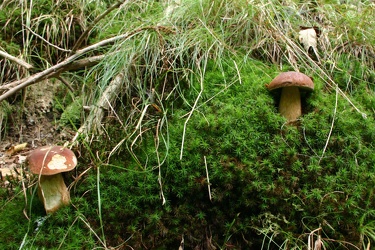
{"x": 72, "y": 113}
{"x": 265, "y": 178}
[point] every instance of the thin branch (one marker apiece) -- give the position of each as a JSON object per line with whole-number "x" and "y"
{"x": 16, "y": 60}
{"x": 86, "y": 62}
{"x": 65, "y": 65}
{"x": 65, "y": 83}
{"x": 157, "y": 142}
{"x": 93, "y": 121}
{"x": 208, "y": 179}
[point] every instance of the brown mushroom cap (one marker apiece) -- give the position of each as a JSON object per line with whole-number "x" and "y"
{"x": 291, "y": 79}
{"x": 50, "y": 160}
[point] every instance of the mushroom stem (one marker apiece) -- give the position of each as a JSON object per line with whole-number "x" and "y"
{"x": 290, "y": 103}
{"x": 53, "y": 192}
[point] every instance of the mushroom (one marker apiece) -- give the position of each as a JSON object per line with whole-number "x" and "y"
{"x": 290, "y": 101}
{"x": 49, "y": 162}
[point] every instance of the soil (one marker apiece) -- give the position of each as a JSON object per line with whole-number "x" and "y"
{"x": 29, "y": 126}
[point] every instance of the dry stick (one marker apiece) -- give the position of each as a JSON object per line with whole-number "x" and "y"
{"x": 208, "y": 179}
{"x": 96, "y": 115}
{"x": 60, "y": 67}
{"x": 84, "y": 35}
{"x": 157, "y": 142}
{"x": 65, "y": 82}
{"x": 16, "y": 60}
{"x": 86, "y": 62}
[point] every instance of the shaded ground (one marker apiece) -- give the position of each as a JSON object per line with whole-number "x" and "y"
{"x": 30, "y": 126}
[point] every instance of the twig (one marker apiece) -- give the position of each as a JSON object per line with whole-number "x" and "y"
{"x": 86, "y": 62}
{"x": 64, "y": 65}
{"x": 157, "y": 142}
{"x": 208, "y": 178}
{"x": 65, "y": 83}
{"x": 93, "y": 121}
{"x": 16, "y": 60}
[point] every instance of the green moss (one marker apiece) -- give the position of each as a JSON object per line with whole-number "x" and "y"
{"x": 256, "y": 165}
{"x": 71, "y": 115}
{"x": 13, "y": 224}
{"x": 265, "y": 177}
{"x": 271, "y": 184}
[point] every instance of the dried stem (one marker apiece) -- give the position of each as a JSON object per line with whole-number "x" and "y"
{"x": 66, "y": 64}
{"x": 16, "y": 60}
{"x": 208, "y": 178}
{"x": 157, "y": 142}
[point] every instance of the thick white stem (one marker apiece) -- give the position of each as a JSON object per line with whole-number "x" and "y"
{"x": 290, "y": 103}
{"x": 53, "y": 192}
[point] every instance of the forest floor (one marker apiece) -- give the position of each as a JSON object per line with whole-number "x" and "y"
{"x": 30, "y": 126}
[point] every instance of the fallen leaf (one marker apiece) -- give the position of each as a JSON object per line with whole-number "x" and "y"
{"x": 14, "y": 149}
{"x": 308, "y": 38}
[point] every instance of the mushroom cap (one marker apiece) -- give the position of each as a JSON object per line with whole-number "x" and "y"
{"x": 291, "y": 79}
{"x": 50, "y": 160}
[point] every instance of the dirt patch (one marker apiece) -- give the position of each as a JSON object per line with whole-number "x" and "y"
{"x": 33, "y": 123}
